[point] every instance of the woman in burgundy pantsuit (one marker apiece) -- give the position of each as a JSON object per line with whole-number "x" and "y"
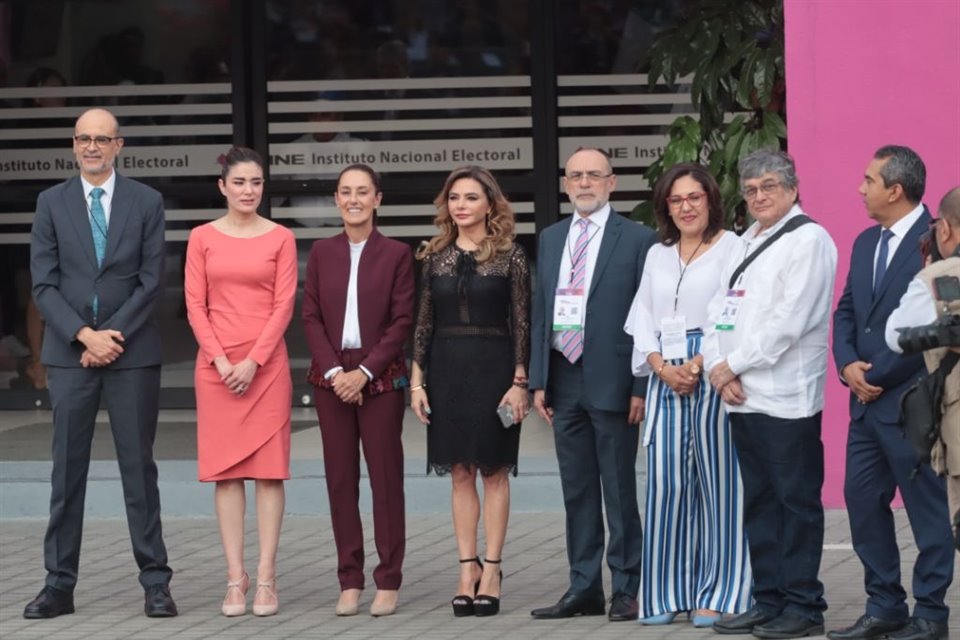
{"x": 358, "y": 312}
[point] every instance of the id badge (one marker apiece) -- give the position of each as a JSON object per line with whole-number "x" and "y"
{"x": 731, "y": 309}
{"x": 673, "y": 338}
{"x": 567, "y": 310}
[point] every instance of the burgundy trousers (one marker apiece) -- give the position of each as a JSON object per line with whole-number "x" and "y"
{"x": 377, "y": 424}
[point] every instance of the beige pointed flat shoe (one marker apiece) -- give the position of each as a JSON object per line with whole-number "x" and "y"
{"x": 384, "y": 603}
{"x": 349, "y": 603}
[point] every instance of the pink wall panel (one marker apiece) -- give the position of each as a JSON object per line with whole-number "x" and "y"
{"x": 861, "y": 74}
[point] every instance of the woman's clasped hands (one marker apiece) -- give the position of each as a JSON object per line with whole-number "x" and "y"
{"x": 237, "y": 377}
{"x": 683, "y": 379}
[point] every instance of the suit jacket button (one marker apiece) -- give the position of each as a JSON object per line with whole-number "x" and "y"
{"x": 867, "y": 330}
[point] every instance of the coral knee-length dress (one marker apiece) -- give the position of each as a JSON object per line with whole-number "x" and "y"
{"x": 240, "y": 295}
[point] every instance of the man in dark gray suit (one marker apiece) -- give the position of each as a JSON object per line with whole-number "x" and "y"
{"x": 96, "y": 256}
{"x": 589, "y": 270}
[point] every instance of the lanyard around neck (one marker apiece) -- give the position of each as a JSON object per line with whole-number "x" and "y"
{"x": 683, "y": 270}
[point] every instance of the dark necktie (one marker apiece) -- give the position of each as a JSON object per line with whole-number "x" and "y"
{"x": 881, "y": 267}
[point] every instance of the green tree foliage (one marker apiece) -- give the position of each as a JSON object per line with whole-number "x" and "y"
{"x": 733, "y": 49}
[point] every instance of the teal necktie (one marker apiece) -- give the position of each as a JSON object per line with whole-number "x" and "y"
{"x": 98, "y": 224}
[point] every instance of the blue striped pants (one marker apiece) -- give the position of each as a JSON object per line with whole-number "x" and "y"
{"x": 694, "y": 548}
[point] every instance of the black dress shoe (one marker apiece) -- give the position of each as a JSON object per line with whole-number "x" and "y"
{"x": 573, "y": 604}
{"x": 744, "y": 622}
{"x": 49, "y": 603}
{"x": 865, "y": 628}
{"x": 623, "y": 607}
{"x": 921, "y": 629}
{"x": 788, "y": 625}
{"x": 157, "y": 602}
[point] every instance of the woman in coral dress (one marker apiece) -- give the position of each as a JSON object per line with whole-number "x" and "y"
{"x": 241, "y": 281}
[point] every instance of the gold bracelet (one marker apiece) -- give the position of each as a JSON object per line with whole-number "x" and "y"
{"x": 660, "y": 370}
{"x": 418, "y": 387}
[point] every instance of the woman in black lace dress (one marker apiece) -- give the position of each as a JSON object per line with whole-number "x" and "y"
{"x": 471, "y": 347}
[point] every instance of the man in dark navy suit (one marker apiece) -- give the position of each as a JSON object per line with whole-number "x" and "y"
{"x": 879, "y": 460}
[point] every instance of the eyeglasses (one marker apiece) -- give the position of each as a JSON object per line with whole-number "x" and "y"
{"x": 592, "y": 176}
{"x": 767, "y": 188}
{"x": 100, "y": 141}
{"x": 695, "y": 199}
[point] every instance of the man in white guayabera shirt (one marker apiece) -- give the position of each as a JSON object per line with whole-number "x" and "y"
{"x": 765, "y": 349}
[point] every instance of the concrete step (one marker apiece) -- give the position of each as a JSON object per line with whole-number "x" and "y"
{"x": 25, "y": 489}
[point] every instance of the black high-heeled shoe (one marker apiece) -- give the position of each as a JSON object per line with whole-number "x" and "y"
{"x": 463, "y": 605}
{"x": 484, "y": 605}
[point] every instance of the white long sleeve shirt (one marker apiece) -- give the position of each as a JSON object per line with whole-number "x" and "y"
{"x": 659, "y": 287}
{"x": 351, "y": 314}
{"x": 106, "y": 200}
{"x": 778, "y": 346}
{"x": 917, "y": 308}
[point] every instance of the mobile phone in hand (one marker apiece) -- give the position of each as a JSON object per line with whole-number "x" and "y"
{"x": 505, "y": 413}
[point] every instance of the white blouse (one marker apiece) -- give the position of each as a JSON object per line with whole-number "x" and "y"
{"x": 351, "y": 316}
{"x": 659, "y": 292}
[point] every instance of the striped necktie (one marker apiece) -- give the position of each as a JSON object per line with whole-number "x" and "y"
{"x": 571, "y": 340}
{"x": 98, "y": 225}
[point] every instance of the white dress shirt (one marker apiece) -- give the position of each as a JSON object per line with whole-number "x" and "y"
{"x": 598, "y": 220}
{"x": 106, "y": 199}
{"x": 658, "y": 288}
{"x": 351, "y": 314}
{"x": 899, "y": 229}
{"x": 351, "y": 318}
{"x": 778, "y": 346}
{"x": 917, "y": 308}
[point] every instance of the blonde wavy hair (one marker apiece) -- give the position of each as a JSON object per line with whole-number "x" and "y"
{"x": 500, "y": 222}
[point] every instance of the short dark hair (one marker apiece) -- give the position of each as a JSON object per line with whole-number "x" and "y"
{"x": 367, "y": 169}
{"x": 666, "y": 228}
{"x": 950, "y": 207}
{"x": 235, "y": 156}
{"x": 905, "y": 168}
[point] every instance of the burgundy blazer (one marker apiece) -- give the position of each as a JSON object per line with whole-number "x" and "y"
{"x": 385, "y": 291}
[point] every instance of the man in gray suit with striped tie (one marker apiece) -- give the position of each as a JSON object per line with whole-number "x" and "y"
{"x": 96, "y": 257}
{"x": 589, "y": 270}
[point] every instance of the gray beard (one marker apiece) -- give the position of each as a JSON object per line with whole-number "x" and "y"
{"x": 600, "y": 205}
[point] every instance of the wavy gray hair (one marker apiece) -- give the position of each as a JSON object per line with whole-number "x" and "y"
{"x": 763, "y": 161}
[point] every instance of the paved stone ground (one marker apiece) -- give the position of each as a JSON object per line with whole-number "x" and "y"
{"x": 109, "y": 600}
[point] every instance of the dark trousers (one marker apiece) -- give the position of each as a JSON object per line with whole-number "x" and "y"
{"x": 781, "y": 462}
{"x": 131, "y": 396}
{"x": 597, "y": 452}
{"x": 377, "y": 424}
{"x": 879, "y": 461}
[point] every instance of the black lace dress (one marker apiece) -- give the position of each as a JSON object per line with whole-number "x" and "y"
{"x": 473, "y": 328}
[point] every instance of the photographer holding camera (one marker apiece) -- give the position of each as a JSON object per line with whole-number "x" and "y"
{"x": 931, "y": 310}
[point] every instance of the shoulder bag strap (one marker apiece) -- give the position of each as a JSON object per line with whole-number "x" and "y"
{"x": 791, "y": 224}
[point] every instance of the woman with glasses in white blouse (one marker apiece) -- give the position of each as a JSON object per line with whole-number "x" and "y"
{"x": 695, "y": 556}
